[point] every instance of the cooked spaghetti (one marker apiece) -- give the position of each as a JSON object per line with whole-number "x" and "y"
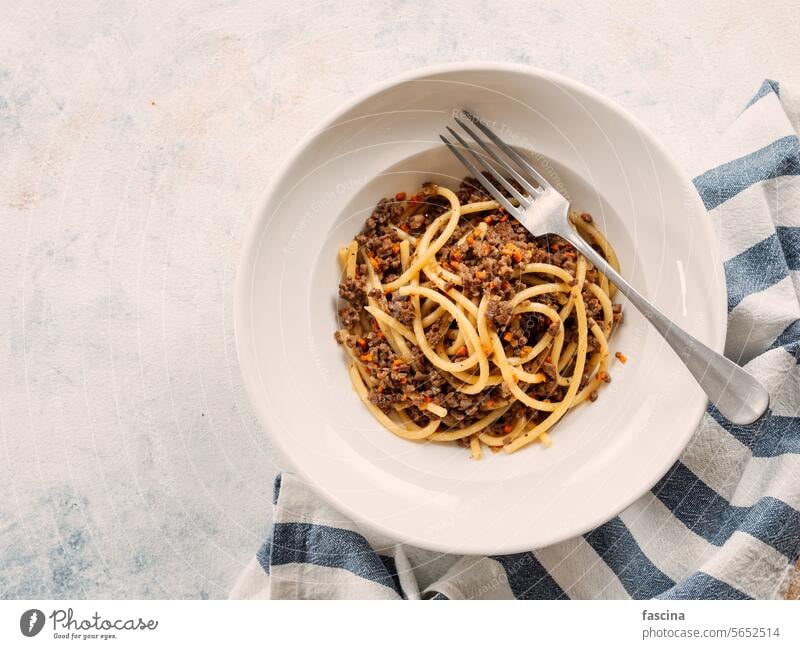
{"x": 461, "y": 326}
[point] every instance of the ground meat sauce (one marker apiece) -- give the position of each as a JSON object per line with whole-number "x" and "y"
{"x": 488, "y": 264}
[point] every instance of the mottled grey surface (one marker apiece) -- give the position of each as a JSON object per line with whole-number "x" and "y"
{"x": 135, "y": 140}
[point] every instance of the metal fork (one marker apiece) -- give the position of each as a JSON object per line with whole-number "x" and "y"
{"x": 737, "y": 395}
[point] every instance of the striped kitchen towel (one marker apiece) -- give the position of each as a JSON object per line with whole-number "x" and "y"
{"x": 725, "y": 520}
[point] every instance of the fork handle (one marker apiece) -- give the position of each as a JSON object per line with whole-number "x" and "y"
{"x": 736, "y": 393}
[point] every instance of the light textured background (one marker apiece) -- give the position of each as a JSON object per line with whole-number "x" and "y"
{"x": 135, "y": 140}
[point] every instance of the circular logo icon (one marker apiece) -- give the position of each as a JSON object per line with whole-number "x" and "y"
{"x": 31, "y": 622}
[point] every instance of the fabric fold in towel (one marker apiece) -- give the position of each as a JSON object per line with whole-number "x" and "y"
{"x": 723, "y": 523}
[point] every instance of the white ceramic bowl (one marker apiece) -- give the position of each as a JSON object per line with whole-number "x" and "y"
{"x": 604, "y": 455}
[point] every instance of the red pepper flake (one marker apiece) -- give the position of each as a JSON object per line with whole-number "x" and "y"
{"x": 404, "y": 227}
{"x": 462, "y": 351}
{"x": 361, "y": 342}
{"x": 507, "y": 428}
{"x": 396, "y": 248}
{"x": 400, "y": 196}
{"x": 504, "y": 218}
{"x": 622, "y": 358}
{"x": 367, "y": 358}
{"x": 604, "y": 376}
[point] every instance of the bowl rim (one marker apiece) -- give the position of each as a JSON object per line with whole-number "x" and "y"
{"x": 251, "y": 242}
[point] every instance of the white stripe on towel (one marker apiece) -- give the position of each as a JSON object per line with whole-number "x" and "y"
{"x": 716, "y": 457}
{"x": 474, "y": 578}
{"x": 743, "y": 221}
{"x": 309, "y": 581}
{"x": 778, "y": 477}
{"x": 750, "y": 566}
{"x": 759, "y": 319}
{"x": 671, "y": 546}
{"x": 580, "y": 571}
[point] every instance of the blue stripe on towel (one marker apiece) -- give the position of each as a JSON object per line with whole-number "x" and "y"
{"x": 754, "y": 270}
{"x": 789, "y": 238}
{"x": 263, "y": 554}
{"x": 710, "y": 516}
{"x": 330, "y": 547}
{"x": 276, "y": 489}
{"x": 781, "y": 158}
{"x": 391, "y": 568}
{"x": 767, "y": 88}
{"x": 699, "y": 585}
{"x": 770, "y": 436}
{"x": 617, "y": 547}
{"x": 528, "y": 578}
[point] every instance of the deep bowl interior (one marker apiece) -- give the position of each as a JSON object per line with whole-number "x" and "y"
{"x": 604, "y": 454}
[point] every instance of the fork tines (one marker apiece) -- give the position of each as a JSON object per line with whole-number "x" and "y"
{"x": 507, "y": 163}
